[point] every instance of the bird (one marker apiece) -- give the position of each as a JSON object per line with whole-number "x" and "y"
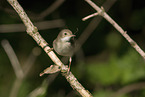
{"x": 64, "y": 44}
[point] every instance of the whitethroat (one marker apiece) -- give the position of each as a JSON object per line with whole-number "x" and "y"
{"x": 64, "y": 44}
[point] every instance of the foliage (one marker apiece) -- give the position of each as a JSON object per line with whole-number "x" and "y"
{"x": 126, "y": 69}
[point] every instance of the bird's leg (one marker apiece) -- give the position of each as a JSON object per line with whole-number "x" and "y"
{"x": 70, "y": 59}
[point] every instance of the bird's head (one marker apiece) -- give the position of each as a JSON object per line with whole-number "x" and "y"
{"x": 65, "y": 35}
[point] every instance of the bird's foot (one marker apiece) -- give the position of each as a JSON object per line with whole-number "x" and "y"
{"x": 49, "y": 50}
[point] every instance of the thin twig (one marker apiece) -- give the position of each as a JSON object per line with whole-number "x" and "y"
{"x": 93, "y": 24}
{"x": 89, "y": 16}
{"x": 32, "y": 31}
{"x": 124, "y": 33}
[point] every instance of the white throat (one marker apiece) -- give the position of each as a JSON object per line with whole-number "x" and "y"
{"x": 65, "y": 38}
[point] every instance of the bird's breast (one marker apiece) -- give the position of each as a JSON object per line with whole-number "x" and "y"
{"x": 63, "y": 48}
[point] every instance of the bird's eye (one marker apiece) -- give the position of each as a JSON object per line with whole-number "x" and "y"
{"x": 65, "y": 33}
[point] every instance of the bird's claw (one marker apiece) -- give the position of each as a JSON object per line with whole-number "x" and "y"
{"x": 49, "y": 50}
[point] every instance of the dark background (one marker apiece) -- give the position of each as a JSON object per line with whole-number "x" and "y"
{"x": 105, "y": 64}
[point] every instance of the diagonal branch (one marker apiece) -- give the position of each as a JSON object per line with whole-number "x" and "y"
{"x": 13, "y": 59}
{"x": 19, "y": 72}
{"x": 111, "y": 21}
{"x": 50, "y": 9}
{"x": 93, "y": 24}
{"x": 128, "y": 89}
{"x": 32, "y": 31}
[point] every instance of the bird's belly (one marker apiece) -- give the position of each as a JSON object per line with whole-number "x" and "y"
{"x": 64, "y": 50}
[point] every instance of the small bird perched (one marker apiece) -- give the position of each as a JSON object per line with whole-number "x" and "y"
{"x": 63, "y": 44}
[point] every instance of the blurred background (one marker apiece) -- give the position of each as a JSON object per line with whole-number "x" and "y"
{"x": 106, "y": 64}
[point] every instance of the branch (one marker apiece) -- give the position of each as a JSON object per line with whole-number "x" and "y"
{"x": 7, "y": 28}
{"x": 19, "y": 72}
{"x": 41, "y": 90}
{"x": 41, "y": 15}
{"x": 33, "y": 31}
{"x": 31, "y": 60}
{"x": 13, "y": 59}
{"x": 92, "y": 15}
{"x": 47, "y": 11}
{"x": 128, "y": 89}
{"x": 50, "y": 9}
{"x": 111, "y": 21}
{"x": 93, "y": 24}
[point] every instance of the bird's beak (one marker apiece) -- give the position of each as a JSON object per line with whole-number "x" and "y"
{"x": 68, "y": 37}
{"x": 72, "y": 35}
